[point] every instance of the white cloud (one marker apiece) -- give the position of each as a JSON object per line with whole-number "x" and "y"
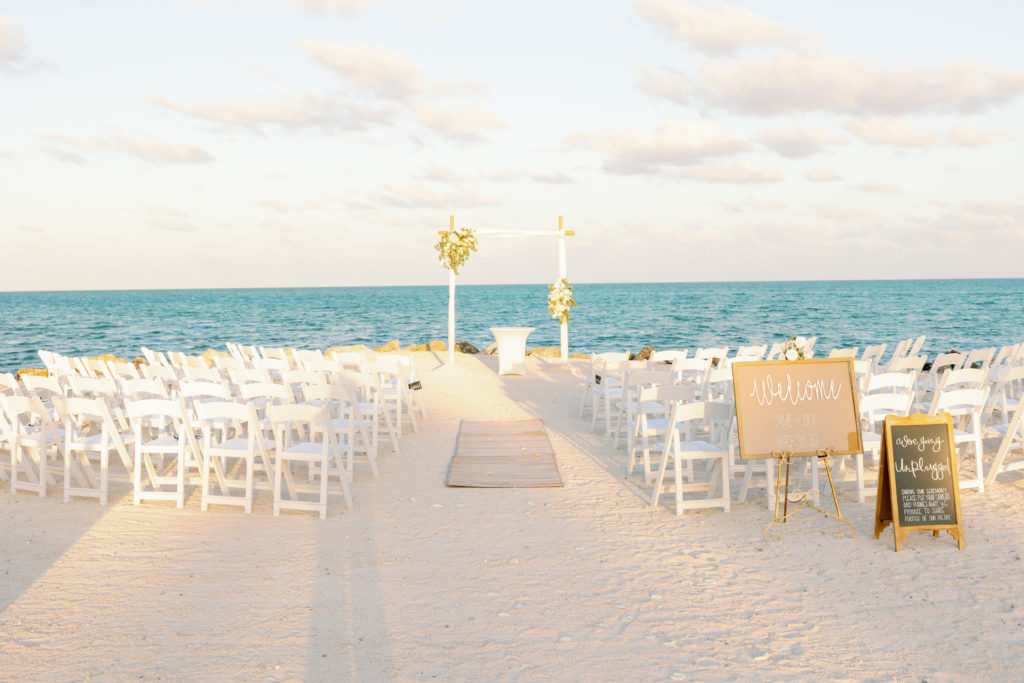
{"x": 874, "y": 186}
{"x": 152, "y": 148}
{"x": 437, "y": 173}
{"x": 670, "y": 84}
{"x": 12, "y": 42}
{"x": 968, "y": 136}
{"x": 324, "y": 113}
{"x": 144, "y": 146}
{"x": 727, "y": 172}
{"x": 887, "y": 131}
{"x": 418, "y": 197}
{"x": 337, "y": 6}
{"x": 840, "y": 212}
{"x": 383, "y": 72}
{"x": 717, "y": 28}
{"x": 788, "y": 82}
{"x": 822, "y": 175}
{"x": 460, "y": 122}
{"x": 672, "y": 143}
{"x": 393, "y": 78}
{"x": 756, "y": 203}
{"x": 796, "y": 142}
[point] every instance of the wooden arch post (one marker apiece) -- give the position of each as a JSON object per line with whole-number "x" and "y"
{"x": 562, "y": 274}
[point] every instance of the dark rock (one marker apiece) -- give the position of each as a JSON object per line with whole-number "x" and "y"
{"x": 466, "y": 347}
{"x": 645, "y": 353}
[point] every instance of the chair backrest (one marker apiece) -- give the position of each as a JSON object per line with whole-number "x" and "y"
{"x": 9, "y": 384}
{"x": 296, "y": 379}
{"x": 874, "y": 354}
{"x": 278, "y": 393}
{"x": 712, "y": 353}
{"x": 758, "y": 351}
{"x": 117, "y": 369}
{"x": 91, "y": 387}
{"x": 225, "y": 363}
{"x": 303, "y": 356}
{"x": 194, "y": 373}
{"x": 892, "y": 382}
{"x": 904, "y": 363}
{"x": 668, "y": 355}
{"x": 964, "y": 378}
{"x": 979, "y": 357}
{"x": 218, "y": 411}
{"x": 600, "y": 362}
{"x": 298, "y": 418}
{"x": 960, "y": 402}
{"x": 1006, "y": 354}
{"x": 349, "y": 360}
{"x": 193, "y": 391}
{"x": 243, "y": 376}
{"x": 718, "y": 384}
{"x": 874, "y": 407}
{"x": 915, "y": 348}
{"x": 44, "y": 388}
{"x": 147, "y": 387}
{"x": 944, "y": 361}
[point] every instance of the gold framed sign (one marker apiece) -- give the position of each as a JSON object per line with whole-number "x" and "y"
{"x": 803, "y": 408}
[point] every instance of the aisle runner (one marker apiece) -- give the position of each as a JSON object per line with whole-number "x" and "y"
{"x": 503, "y": 454}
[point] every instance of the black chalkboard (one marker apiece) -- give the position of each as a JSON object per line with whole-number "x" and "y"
{"x": 925, "y": 488}
{"x": 918, "y": 485}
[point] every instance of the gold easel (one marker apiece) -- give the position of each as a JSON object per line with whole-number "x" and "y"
{"x": 787, "y": 458}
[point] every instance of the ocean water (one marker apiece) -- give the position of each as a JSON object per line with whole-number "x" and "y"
{"x": 954, "y": 314}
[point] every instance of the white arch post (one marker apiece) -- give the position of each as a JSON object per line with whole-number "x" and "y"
{"x": 562, "y": 274}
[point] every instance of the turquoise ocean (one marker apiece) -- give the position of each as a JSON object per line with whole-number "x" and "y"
{"x": 954, "y": 314}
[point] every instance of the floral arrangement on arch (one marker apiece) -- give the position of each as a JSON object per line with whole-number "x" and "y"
{"x": 794, "y": 348}
{"x": 560, "y": 300}
{"x": 454, "y": 248}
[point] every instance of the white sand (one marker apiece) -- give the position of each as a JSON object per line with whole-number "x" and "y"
{"x": 422, "y": 581}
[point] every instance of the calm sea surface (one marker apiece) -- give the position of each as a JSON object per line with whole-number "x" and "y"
{"x": 954, "y": 314}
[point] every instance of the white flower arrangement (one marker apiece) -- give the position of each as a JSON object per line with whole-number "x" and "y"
{"x": 794, "y": 348}
{"x": 560, "y": 300}
{"x": 454, "y": 248}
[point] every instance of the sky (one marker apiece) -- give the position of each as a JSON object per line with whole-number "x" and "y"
{"x": 276, "y": 143}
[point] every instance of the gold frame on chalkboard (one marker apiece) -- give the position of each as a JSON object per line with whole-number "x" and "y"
{"x": 886, "y": 503}
{"x": 845, "y": 447}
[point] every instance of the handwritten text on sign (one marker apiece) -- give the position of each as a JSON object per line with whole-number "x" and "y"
{"x": 801, "y": 406}
{"x": 924, "y": 483}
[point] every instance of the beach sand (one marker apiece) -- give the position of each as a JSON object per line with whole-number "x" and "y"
{"x": 422, "y": 581}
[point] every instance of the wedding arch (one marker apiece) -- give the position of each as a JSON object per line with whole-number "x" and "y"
{"x": 562, "y": 281}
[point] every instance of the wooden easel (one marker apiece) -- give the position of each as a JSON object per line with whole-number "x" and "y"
{"x": 787, "y": 458}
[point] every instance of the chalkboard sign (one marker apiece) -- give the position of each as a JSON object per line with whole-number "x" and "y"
{"x": 918, "y": 485}
{"x": 802, "y": 407}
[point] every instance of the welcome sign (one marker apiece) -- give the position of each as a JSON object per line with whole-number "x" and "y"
{"x": 801, "y": 407}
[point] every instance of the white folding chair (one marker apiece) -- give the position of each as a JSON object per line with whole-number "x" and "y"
{"x": 161, "y": 430}
{"x": 232, "y": 439}
{"x": 302, "y": 434}
{"x": 35, "y": 443}
{"x": 965, "y": 406}
{"x": 90, "y": 436}
{"x": 686, "y": 418}
{"x": 347, "y": 422}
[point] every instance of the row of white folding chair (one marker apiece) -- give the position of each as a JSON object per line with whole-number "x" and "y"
{"x": 48, "y": 441}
